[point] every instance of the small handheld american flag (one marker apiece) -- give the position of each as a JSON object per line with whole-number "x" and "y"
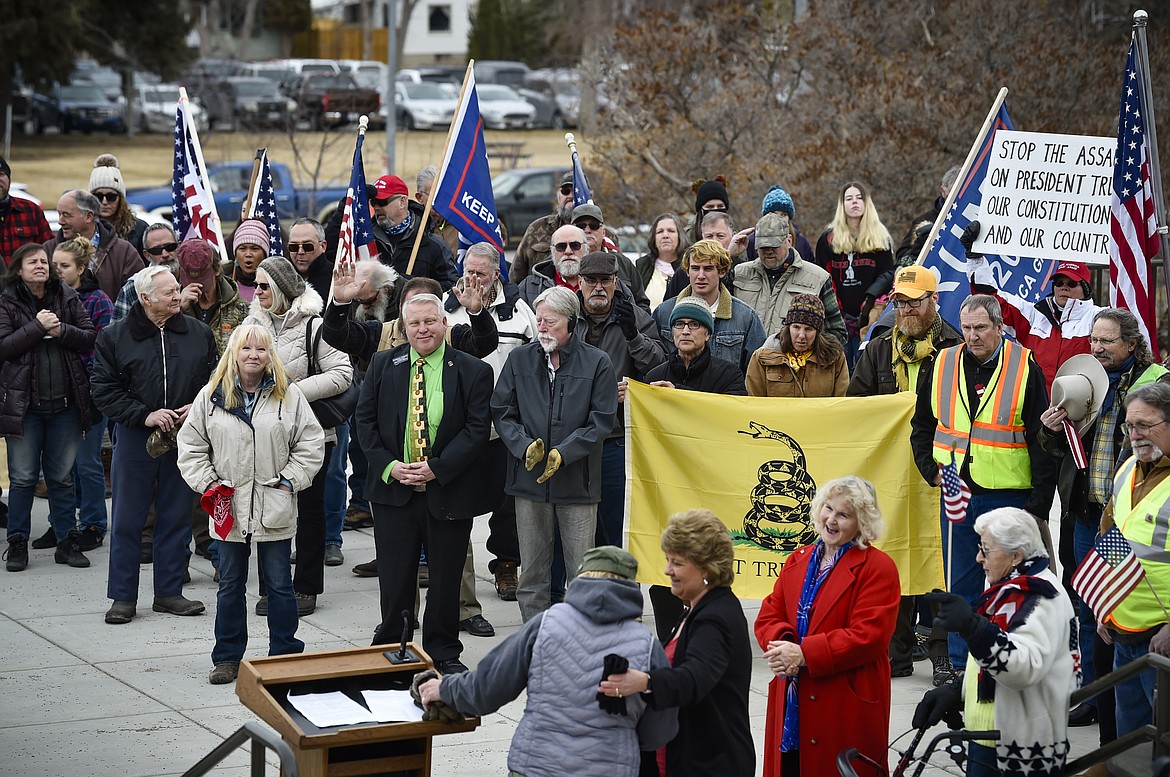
{"x": 1108, "y": 574}
{"x": 956, "y": 494}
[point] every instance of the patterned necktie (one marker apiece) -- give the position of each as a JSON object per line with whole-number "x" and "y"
{"x": 421, "y": 447}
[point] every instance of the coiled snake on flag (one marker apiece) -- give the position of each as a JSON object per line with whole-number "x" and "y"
{"x": 782, "y": 500}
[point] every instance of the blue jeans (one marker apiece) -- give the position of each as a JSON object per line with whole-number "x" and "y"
{"x": 49, "y": 445}
{"x": 231, "y": 609}
{"x": 1135, "y": 696}
{"x": 611, "y": 513}
{"x": 89, "y": 479}
{"x": 1083, "y": 536}
{"x": 964, "y": 574}
{"x": 359, "y": 465}
{"x": 981, "y": 761}
{"x": 335, "y": 488}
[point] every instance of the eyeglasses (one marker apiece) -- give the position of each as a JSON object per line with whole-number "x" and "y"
{"x": 986, "y": 551}
{"x": 263, "y": 286}
{"x": 296, "y": 248}
{"x": 598, "y": 280}
{"x": 1065, "y": 283}
{"x": 1103, "y": 340}
{"x": 572, "y": 245}
{"x": 566, "y": 188}
{"x": 686, "y": 323}
{"x": 169, "y": 248}
{"x": 107, "y": 196}
{"x": 913, "y": 304}
{"x": 1128, "y": 428}
{"x": 591, "y": 224}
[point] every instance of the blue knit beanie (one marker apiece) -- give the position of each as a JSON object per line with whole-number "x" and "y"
{"x": 777, "y": 200}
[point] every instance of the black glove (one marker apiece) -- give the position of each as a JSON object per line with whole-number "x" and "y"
{"x": 614, "y": 664}
{"x": 955, "y": 614}
{"x": 942, "y": 703}
{"x": 623, "y": 311}
{"x": 970, "y": 235}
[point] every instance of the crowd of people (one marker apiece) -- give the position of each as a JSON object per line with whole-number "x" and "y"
{"x": 235, "y": 397}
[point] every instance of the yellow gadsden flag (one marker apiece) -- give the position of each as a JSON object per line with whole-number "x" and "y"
{"x": 756, "y": 462}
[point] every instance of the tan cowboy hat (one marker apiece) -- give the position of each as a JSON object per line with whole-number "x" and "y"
{"x": 1079, "y": 389}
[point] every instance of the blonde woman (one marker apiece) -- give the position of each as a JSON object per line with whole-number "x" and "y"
{"x": 71, "y": 260}
{"x": 251, "y": 430}
{"x": 856, "y": 249}
{"x": 825, "y": 630}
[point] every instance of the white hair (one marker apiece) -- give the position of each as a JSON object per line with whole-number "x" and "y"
{"x": 1012, "y": 529}
{"x": 485, "y": 250}
{"x": 560, "y": 300}
{"x": 422, "y": 299}
{"x": 144, "y": 279}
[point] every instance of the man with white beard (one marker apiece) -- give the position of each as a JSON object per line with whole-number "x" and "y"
{"x": 568, "y": 247}
{"x": 564, "y": 378}
{"x": 1138, "y": 507}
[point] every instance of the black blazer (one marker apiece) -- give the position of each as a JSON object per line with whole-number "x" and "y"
{"x": 461, "y": 439}
{"x": 708, "y": 681}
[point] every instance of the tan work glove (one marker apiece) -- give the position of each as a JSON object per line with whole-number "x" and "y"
{"x": 551, "y": 466}
{"x": 534, "y": 455}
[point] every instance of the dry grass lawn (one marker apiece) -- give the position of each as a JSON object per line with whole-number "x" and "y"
{"x": 53, "y": 163}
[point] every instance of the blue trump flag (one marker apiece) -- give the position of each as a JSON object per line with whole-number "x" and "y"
{"x": 1025, "y": 278}
{"x": 581, "y": 193}
{"x": 463, "y": 194}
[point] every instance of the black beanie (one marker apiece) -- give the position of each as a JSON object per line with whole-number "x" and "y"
{"x": 710, "y": 190}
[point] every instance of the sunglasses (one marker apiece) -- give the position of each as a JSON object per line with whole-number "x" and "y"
{"x": 591, "y": 224}
{"x": 107, "y": 196}
{"x": 566, "y": 188}
{"x": 296, "y": 248}
{"x": 263, "y": 286}
{"x": 382, "y": 203}
{"x": 572, "y": 245}
{"x": 1063, "y": 283}
{"x": 169, "y": 248}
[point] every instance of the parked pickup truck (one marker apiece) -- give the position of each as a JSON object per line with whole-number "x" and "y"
{"x": 330, "y": 100}
{"x": 229, "y": 182}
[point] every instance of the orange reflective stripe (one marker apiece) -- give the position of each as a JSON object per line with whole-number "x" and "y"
{"x": 1009, "y": 389}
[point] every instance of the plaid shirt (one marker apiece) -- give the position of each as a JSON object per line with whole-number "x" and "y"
{"x": 24, "y": 222}
{"x": 100, "y": 311}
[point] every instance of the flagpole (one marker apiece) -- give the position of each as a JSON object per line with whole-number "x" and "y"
{"x": 1140, "y": 19}
{"x": 967, "y": 163}
{"x": 418, "y": 236}
{"x": 193, "y": 134}
{"x": 250, "y": 196}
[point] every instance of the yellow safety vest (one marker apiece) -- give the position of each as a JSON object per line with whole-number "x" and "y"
{"x": 1147, "y": 527}
{"x": 995, "y": 442}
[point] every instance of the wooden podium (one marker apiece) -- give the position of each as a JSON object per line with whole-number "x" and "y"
{"x": 341, "y": 751}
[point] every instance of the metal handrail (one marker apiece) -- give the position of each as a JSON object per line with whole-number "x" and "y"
{"x": 262, "y": 738}
{"x": 1158, "y": 732}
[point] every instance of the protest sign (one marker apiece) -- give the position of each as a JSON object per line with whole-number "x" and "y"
{"x": 1047, "y": 196}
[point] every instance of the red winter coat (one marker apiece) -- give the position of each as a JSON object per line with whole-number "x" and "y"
{"x": 845, "y": 685}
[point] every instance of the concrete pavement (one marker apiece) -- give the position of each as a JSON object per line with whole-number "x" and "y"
{"x": 78, "y": 696}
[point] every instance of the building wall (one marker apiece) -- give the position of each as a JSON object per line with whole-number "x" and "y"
{"x": 425, "y": 45}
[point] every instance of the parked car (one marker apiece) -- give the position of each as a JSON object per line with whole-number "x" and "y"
{"x": 367, "y": 72}
{"x": 273, "y": 71}
{"x": 562, "y": 88}
{"x": 229, "y": 183}
{"x": 87, "y": 71}
{"x": 152, "y": 109}
{"x": 502, "y": 108}
{"x": 331, "y": 100}
{"x": 502, "y": 72}
{"x": 435, "y": 74}
{"x": 524, "y": 195}
{"x": 31, "y": 110}
{"x": 424, "y": 106}
{"x": 86, "y": 108}
{"x": 247, "y": 102}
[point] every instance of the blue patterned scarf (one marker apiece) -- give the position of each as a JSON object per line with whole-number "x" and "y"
{"x": 813, "y": 579}
{"x": 405, "y": 225}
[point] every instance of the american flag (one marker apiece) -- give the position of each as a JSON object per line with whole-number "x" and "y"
{"x": 956, "y": 494}
{"x": 356, "y": 240}
{"x": 192, "y": 206}
{"x": 1075, "y": 446}
{"x": 1133, "y": 241}
{"x": 263, "y": 206}
{"x": 1108, "y": 574}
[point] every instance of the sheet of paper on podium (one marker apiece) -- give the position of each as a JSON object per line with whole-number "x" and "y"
{"x": 392, "y": 706}
{"x": 330, "y": 709}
